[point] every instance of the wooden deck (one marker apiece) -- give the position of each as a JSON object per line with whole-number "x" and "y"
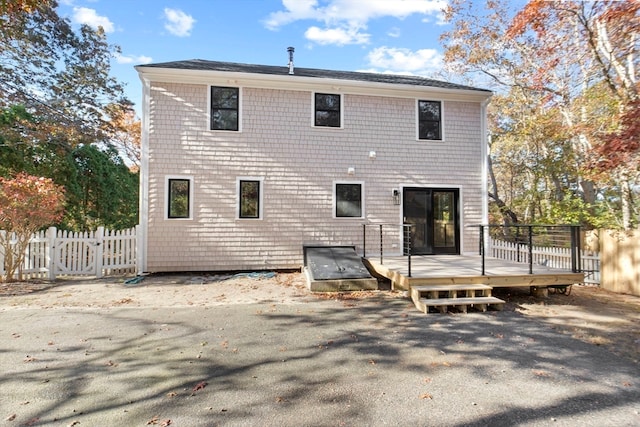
{"x": 462, "y": 269}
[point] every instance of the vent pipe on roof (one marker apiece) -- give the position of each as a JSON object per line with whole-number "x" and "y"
{"x": 290, "y": 50}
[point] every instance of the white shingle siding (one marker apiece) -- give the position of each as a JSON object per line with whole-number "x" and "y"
{"x": 298, "y": 164}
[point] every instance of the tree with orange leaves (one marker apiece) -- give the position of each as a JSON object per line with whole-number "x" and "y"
{"x": 27, "y": 204}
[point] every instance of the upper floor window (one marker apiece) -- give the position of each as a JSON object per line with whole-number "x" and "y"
{"x": 225, "y": 109}
{"x": 327, "y": 110}
{"x": 349, "y": 200}
{"x": 430, "y": 120}
{"x": 179, "y": 197}
{"x": 250, "y": 198}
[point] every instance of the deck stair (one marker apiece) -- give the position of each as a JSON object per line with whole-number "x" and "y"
{"x": 458, "y": 296}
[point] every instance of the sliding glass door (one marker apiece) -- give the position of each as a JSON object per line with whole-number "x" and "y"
{"x": 433, "y": 213}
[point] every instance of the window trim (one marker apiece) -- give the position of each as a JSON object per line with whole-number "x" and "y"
{"x": 313, "y": 110}
{"x": 334, "y": 207}
{"x": 167, "y": 182}
{"x": 240, "y": 94}
{"x": 418, "y": 100}
{"x": 260, "y": 181}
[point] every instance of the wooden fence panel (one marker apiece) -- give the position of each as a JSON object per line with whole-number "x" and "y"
{"x": 620, "y": 254}
{"x": 118, "y": 251}
{"x": 36, "y": 261}
{"x": 54, "y": 253}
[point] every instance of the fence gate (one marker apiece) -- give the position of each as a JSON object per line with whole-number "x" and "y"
{"x": 75, "y": 254}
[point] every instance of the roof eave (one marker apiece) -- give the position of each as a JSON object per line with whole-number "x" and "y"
{"x": 303, "y": 83}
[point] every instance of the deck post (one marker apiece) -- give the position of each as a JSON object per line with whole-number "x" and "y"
{"x": 530, "y": 249}
{"x": 381, "y": 244}
{"x": 518, "y": 244}
{"x": 406, "y": 229}
{"x": 482, "y": 247}
{"x": 576, "y": 262}
{"x": 364, "y": 240}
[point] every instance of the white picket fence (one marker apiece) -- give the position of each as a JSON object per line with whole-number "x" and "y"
{"x": 551, "y": 257}
{"x": 53, "y": 253}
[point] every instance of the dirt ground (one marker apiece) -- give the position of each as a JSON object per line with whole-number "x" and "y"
{"x": 587, "y": 313}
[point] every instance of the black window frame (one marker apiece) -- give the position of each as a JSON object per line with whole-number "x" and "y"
{"x": 221, "y": 107}
{"x": 334, "y": 119}
{"x": 338, "y": 201}
{"x": 171, "y": 198}
{"x": 428, "y": 122}
{"x": 241, "y": 199}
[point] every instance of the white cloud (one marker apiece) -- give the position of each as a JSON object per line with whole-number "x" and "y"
{"x": 131, "y": 59}
{"x": 84, "y": 15}
{"x": 178, "y": 23}
{"x": 394, "y": 32}
{"x": 405, "y": 60}
{"x": 295, "y": 10}
{"x": 440, "y": 20}
{"x": 337, "y": 36}
{"x": 348, "y": 17}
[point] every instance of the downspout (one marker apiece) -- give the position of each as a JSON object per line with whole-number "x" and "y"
{"x": 142, "y": 232}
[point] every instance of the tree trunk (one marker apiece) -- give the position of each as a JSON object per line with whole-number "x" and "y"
{"x": 509, "y": 216}
{"x": 626, "y": 202}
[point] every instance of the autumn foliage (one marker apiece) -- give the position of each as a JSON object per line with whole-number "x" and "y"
{"x": 27, "y": 204}
{"x": 564, "y": 123}
{"x": 622, "y": 147}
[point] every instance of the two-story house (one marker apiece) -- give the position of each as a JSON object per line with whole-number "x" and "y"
{"x": 244, "y": 164}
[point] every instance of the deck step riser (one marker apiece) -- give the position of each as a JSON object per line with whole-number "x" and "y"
{"x": 460, "y": 297}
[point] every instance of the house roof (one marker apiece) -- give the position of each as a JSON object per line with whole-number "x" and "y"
{"x": 205, "y": 65}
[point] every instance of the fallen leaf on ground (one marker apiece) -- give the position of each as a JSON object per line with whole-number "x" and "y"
{"x": 199, "y": 386}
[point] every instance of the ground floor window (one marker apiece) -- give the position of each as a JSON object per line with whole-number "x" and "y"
{"x": 349, "y": 198}
{"x": 249, "y": 198}
{"x": 179, "y": 197}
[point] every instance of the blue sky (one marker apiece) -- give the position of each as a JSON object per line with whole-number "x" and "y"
{"x": 399, "y": 36}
